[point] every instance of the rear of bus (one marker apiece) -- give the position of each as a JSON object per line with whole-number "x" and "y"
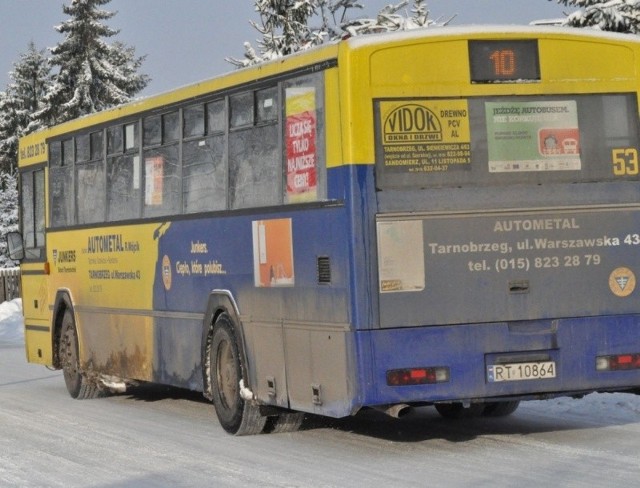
{"x": 507, "y": 214}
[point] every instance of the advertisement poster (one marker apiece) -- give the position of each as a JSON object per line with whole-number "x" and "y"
{"x": 533, "y": 136}
{"x": 425, "y": 136}
{"x": 154, "y": 174}
{"x": 300, "y": 140}
{"x": 273, "y": 253}
{"x": 401, "y": 256}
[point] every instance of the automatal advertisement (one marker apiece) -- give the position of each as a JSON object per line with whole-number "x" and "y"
{"x": 107, "y": 268}
{"x": 533, "y": 136}
{"x": 300, "y": 140}
{"x": 424, "y": 136}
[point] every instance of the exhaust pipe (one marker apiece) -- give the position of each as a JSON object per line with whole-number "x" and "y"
{"x": 396, "y": 411}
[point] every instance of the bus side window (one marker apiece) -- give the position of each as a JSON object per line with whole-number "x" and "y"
{"x": 303, "y": 132}
{"x": 160, "y": 168}
{"x": 254, "y": 152}
{"x": 61, "y": 182}
{"x": 204, "y": 159}
{"x": 89, "y": 179}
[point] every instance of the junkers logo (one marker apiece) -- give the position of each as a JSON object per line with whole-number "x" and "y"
{"x": 63, "y": 257}
{"x": 412, "y": 123}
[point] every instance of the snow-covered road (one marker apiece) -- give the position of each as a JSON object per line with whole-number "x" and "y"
{"x": 162, "y": 437}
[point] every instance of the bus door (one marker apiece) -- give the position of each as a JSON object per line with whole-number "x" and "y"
{"x": 34, "y": 266}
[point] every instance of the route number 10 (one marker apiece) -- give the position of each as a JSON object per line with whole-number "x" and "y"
{"x": 625, "y": 162}
{"x": 504, "y": 62}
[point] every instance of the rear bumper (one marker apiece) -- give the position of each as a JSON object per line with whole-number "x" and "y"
{"x": 572, "y": 344}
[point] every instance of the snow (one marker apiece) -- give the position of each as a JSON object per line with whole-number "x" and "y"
{"x": 524, "y": 30}
{"x": 11, "y": 323}
{"x": 155, "y": 437}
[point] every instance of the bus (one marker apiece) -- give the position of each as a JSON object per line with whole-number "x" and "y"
{"x": 446, "y": 217}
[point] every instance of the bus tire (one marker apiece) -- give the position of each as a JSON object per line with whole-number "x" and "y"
{"x": 459, "y": 411}
{"x": 500, "y": 409}
{"x": 237, "y": 416}
{"x": 78, "y": 386}
{"x": 285, "y": 422}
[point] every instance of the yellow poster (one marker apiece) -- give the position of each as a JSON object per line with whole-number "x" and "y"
{"x": 425, "y": 135}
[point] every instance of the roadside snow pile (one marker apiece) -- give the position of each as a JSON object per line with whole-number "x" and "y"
{"x": 11, "y": 323}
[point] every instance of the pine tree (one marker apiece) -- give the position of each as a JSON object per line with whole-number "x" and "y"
{"x": 92, "y": 74}
{"x": 606, "y": 15}
{"x": 8, "y": 213}
{"x": 286, "y": 25}
{"x": 23, "y": 97}
{"x": 284, "y": 28}
{"x": 9, "y": 131}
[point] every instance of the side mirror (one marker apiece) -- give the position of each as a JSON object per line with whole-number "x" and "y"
{"x": 15, "y": 245}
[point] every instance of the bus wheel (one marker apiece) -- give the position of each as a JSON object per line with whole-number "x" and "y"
{"x": 285, "y": 422}
{"x": 236, "y": 415}
{"x": 459, "y": 411}
{"x": 500, "y": 409}
{"x": 78, "y": 385}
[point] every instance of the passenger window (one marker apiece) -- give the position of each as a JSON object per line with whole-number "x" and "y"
{"x": 241, "y": 107}
{"x": 152, "y": 131}
{"x": 96, "y": 141}
{"x": 267, "y": 105}
{"x": 130, "y": 137}
{"x": 67, "y": 152}
{"x": 55, "y": 154}
{"x": 90, "y": 181}
{"x": 170, "y": 127}
{"x": 193, "y": 124}
{"x": 216, "y": 120}
{"x": 115, "y": 142}
{"x": 82, "y": 148}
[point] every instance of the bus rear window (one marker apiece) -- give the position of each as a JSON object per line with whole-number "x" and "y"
{"x": 506, "y": 140}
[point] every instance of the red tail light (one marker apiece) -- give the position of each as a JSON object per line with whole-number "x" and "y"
{"x": 417, "y": 376}
{"x": 619, "y": 362}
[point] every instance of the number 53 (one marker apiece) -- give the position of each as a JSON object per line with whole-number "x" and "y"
{"x": 625, "y": 161}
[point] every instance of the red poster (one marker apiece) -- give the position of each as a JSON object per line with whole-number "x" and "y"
{"x": 300, "y": 140}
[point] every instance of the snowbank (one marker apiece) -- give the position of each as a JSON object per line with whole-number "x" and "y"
{"x": 11, "y": 323}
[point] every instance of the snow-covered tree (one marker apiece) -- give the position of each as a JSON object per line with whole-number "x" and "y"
{"x": 283, "y": 25}
{"x": 289, "y": 26}
{"x": 392, "y": 18}
{"x": 9, "y": 131}
{"x": 92, "y": 75}
{"x": 606, "y": 15}
{"x": 8, "y": 213}
{"x": 29, "y": 81}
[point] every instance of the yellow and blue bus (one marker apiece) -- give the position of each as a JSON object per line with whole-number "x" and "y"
{"x": 446, "y": 217}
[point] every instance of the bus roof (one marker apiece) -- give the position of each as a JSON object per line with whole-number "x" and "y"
{"x": 248, "y": 76}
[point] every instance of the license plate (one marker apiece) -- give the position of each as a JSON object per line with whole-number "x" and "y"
{"x": 521, "y": 371}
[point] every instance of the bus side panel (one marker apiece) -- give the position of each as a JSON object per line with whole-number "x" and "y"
{"x": 176, "y": 359}
{"x": 288, "y": 274}
{"x": 469, "y": 350}
{"x": 116, "y": 343}
{"x": 37, "y": 316}
{"x": 109, "y": 274}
